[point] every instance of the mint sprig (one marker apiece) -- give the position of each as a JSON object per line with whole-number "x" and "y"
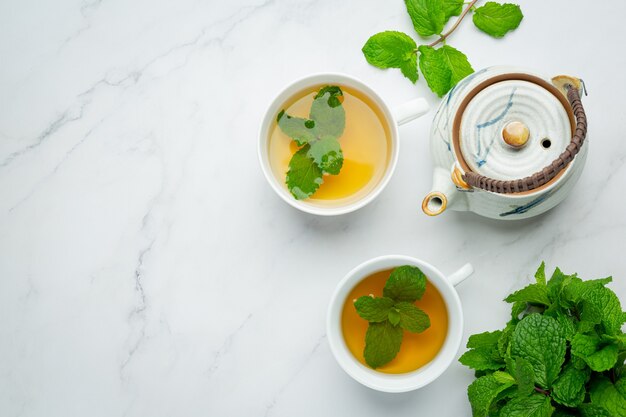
{"x": 561, "y": 354}
{"x": 443, "y": 67}
{"x": 390, "y": 315}
{"x": 318, "y": 136}
{"x": 497, "y": 19}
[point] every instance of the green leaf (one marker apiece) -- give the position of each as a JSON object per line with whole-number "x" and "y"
{"x": 539, "y": 339}
{"x": 534, "y": 293}
{"x": 484, "y": 340}
{"x": 443, "y": 68}
{"x": 428, "y": 16}
{"x": 394, "y": 316}
{"x": 556, "y": 284}
{"x": 518, "y": 308}
{"x": 406, "y": 283}
{"x": 569, "y": 388}
{"x": 505, "y": 339}
{"x": 600, "y": 357}
{"x": 328, "y": 113}
{"x": 300, "y": 130}
{"x": 562, "y": 413}
{"x": 540, "y": 275}
{"x": 504, "y": 377}
{"x": 484, "y": 353}
{"x": 481, "y": 360}
{"x": 537, "y": 405}
{"x": 567, "y": 324}
{"x": 601, "y": 305}
{"x": 608, "y": 396}
{"x": 409, "y": 68}
{"x": 327, "y": 154}
{"x": 373, "y": 309}
{"x": 525, "y": 376}
{"x": 497, "y": 19}
{"x": 412, "y": 318}
{"x": 392, "y": 50}
{"x": 304, "y": 175}
{"x": 382, "y": 343}
{"x": 592, "y": 410}
{"x": 482, "y": 392}
{"x": 452, "y": 8}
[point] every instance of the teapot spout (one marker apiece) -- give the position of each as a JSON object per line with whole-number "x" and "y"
{"x": 443, "y": 194}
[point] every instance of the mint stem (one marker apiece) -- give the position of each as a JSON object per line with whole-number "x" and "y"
{"x": 456, "y": 24}
{"x": 542, "y": 391}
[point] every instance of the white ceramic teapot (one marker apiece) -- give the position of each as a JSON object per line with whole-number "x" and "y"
{"x": 507, "y": 144}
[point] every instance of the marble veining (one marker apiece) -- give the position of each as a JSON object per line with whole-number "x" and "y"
{"x": 146, "y": 267}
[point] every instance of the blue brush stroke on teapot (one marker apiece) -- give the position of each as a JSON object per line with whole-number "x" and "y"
{"x": 527, "y": 207}
{"x": 482, "y": 160}
{"x": 446, "y": 108}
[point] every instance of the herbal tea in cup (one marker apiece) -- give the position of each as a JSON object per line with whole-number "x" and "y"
{"x": 328, "y": 144}
{"x": 395, "y": 323}
{"x": 395, "y": 320}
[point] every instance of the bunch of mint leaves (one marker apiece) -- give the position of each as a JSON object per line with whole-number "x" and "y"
{"x": 320, "y": 151}
{"x": 445, "y": 66}
{"x": 562, "y": 353}
{"x": 393, "y": 313}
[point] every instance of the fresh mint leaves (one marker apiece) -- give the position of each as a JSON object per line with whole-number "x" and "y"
{"x": 390, "y": 315}
{"x": 497, "y": 19}
{"x": 428, "y": 16}
{"x": 562, "y": 353}
{"x": 445, "y": 66}
{"x": 392, "y": 50}
{"x": 320, "y": 151}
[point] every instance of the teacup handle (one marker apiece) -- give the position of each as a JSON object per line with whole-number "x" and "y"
{"x": 459, "y": 276}
{"x": 410, "y": 110}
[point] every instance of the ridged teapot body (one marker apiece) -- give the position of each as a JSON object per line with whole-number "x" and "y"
{"x": 471, "y": 132}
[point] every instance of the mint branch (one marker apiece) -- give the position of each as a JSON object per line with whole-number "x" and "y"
{"x": 445, "y": 36}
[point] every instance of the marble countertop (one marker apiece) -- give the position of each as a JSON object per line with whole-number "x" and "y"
{"x": 148, "y": 269}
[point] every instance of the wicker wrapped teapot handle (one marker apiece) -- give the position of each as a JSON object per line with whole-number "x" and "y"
{"x": 542, "y": 177}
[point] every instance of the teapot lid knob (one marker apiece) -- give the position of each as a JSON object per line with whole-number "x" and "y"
{"x": 515, "y": 134}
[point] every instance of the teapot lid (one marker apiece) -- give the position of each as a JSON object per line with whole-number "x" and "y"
{"x": 508, "y": 129}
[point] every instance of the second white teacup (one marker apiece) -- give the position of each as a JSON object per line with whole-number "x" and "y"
{"x": 424, "y": 375}
{"x": 400, "y": 115}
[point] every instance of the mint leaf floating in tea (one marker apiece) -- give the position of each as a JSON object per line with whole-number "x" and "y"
{"x": 564, "y": 348}
{"x": 318, "y": 135}
{"x": 497, "y": 19}
{"x": 393, "y": 313}
{"x": 300, "y": 130}
{"x": 382, "y": 343}
{"x": 304, "y": 176}
{"x": 326, "y": 153}
{"x": 406, "y": 283}
{"x": 373, "y": 309}
{"x": 412, "y": 318}
{"x": 443, "y": 67}
{"x": 328, "y": 113}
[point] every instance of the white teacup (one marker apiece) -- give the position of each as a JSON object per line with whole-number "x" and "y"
{"x": 400, "y": 115}
{"x": 411, "y": 380}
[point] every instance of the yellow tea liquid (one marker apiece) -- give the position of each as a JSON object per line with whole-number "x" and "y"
{"x": 365, "y": 143}
{"x": 417, "y": 349}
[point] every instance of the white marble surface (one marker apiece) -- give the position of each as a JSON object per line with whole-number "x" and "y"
{"x": 147, "y": 269}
